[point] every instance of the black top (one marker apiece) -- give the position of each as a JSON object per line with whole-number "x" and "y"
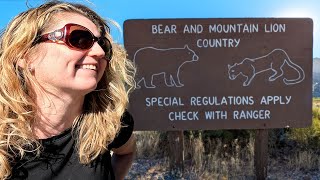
{"x": 59, "y": 159}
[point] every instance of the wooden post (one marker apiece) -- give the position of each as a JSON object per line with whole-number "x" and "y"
{"x": 176, "y": 151}
{"x": 261, "y": 154}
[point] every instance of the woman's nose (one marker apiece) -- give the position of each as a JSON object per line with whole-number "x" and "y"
{"x": 97, "y": 51}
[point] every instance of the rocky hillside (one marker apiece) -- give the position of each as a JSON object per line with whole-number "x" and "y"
{"x": 316, "y": 77}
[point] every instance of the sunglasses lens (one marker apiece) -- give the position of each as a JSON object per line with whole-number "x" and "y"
{"x": 81, "y": 39}
{"x": 84, "y": 39}
{"x": 106, "y": 46}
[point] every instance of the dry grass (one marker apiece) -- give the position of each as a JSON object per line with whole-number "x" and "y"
{"x": 207, "y": 157}
{"x": 305, "y": 160}
{"x": 148, "y": 144}
{"x": 212, "y": 160}
{"x": 215, "y": 159}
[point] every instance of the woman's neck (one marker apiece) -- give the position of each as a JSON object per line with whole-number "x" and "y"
{"x": 56, "y": 114}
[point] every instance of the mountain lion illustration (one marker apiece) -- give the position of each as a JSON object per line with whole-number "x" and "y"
{"x": 162, "y": 61}
{"x": 273, "y": 61}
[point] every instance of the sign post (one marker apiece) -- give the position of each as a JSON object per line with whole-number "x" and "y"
{"x": 261, "y": 153}
{"x": 176, "y": 154}
{"x": 221, "y": 73}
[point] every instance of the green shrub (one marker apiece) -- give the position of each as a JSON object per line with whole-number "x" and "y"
{"x": 307, "y": 137}
{"x": 316, "y": 113}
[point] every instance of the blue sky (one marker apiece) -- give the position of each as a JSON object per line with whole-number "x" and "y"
{"x": 121, "y": 10}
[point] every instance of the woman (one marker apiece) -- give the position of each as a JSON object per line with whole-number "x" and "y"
{"x": 63, "y": 94}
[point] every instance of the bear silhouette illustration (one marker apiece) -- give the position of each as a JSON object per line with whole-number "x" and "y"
{"x": 166, "y": 62}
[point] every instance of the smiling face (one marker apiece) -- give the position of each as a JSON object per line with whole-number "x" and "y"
{"x": 59, "y": 68}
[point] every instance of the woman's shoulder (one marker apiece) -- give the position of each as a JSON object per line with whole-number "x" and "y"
{"x": 127, "y": 119}
{"x": 126, "y": 130}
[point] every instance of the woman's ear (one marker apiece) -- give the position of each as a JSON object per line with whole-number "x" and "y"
{"x": 22, "y": 63}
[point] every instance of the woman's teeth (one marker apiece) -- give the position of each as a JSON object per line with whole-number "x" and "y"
{"x": 86, "y": 66}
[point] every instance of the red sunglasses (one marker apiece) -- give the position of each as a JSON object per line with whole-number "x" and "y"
{"x": 78, "y": 37}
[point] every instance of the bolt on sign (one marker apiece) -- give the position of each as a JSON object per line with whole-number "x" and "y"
{"x": 224, "y": 73}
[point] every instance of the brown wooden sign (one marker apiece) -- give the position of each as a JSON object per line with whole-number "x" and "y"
{"x": 243, "y": 73}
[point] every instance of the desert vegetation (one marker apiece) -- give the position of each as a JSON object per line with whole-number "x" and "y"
{"x": 293, "y": 153}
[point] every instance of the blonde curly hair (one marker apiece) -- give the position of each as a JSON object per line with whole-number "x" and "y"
{"x": 100, "y": 121}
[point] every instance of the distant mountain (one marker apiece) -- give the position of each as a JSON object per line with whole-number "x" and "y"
{"x": 316, "y": 77}
{"x": 316, "y": 65}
